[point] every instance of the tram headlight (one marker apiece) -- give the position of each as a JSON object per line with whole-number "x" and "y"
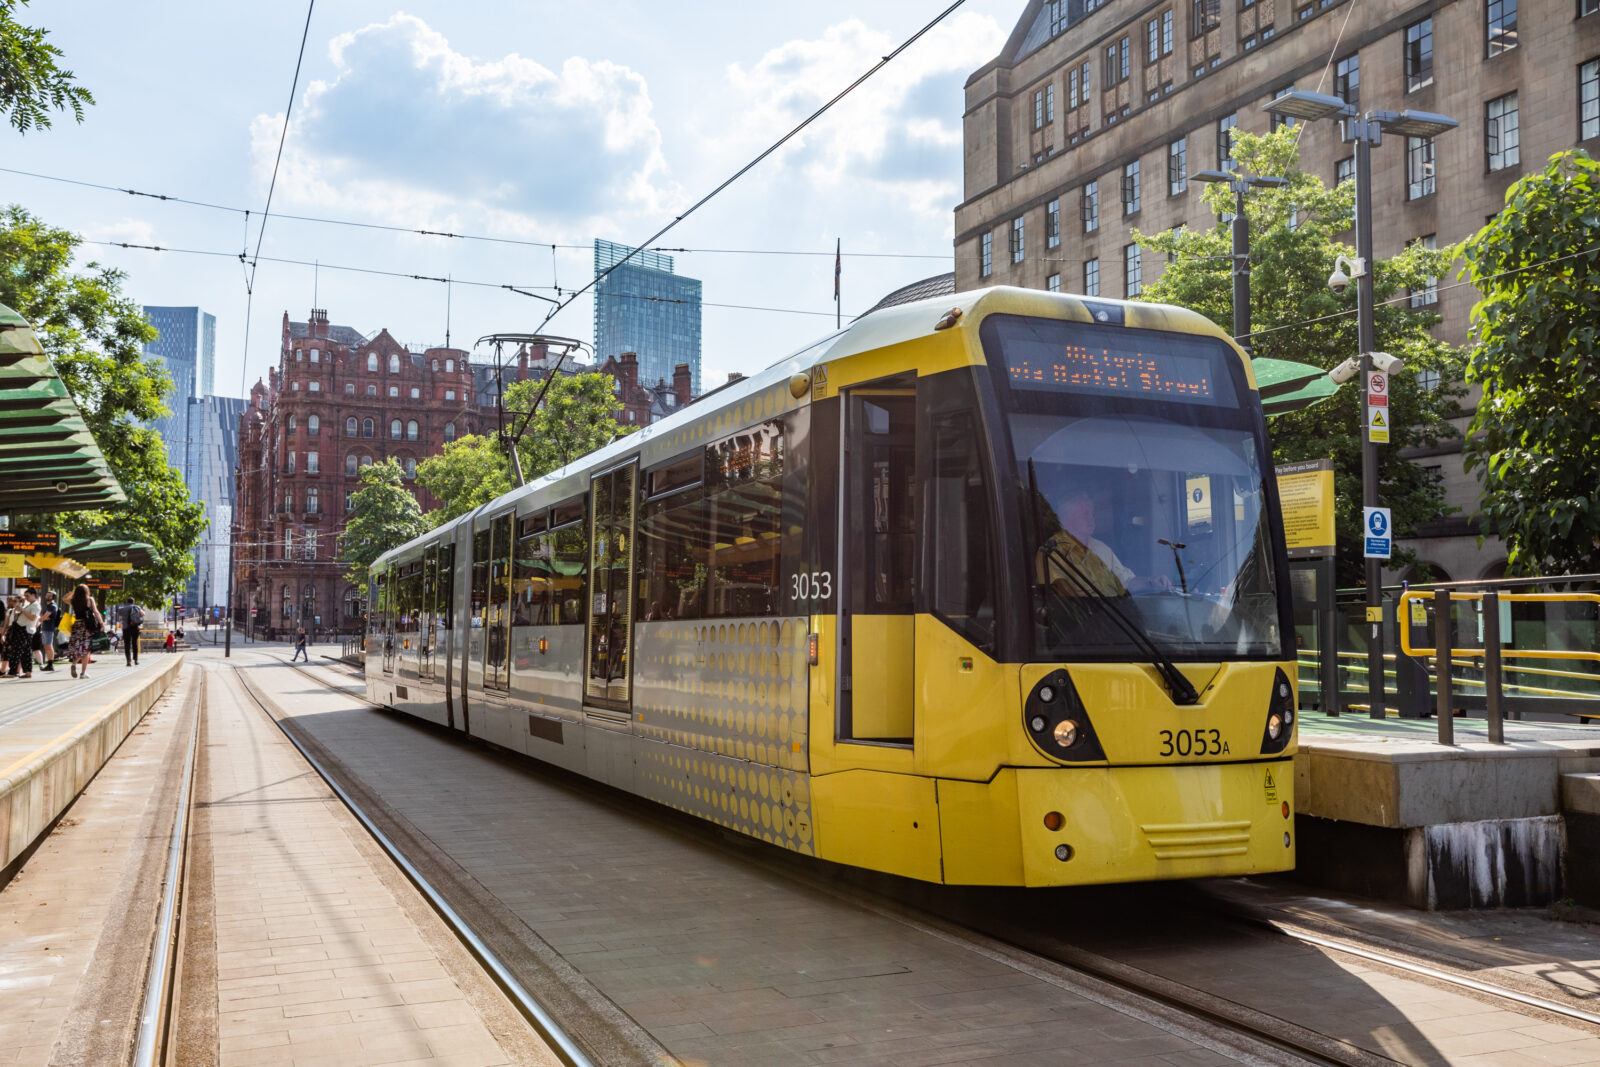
{"x": 1066, "y": 733}
{"x": 1279, "y": 727}
{"x": 1274, "y": 726}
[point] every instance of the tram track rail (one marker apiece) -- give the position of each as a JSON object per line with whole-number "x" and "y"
{"x": 562, "y": 1043}
{"x": 1260, "y": 1034}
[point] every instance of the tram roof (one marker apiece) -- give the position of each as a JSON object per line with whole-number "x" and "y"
{"x": 880, "y": 328}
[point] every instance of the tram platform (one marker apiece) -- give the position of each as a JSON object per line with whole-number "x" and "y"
{"x": 1386, "y": 810}
{"x": 57, "y": 731}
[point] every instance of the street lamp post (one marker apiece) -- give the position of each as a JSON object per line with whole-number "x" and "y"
{"x": 1365, "y": 130}
{"x": 1238, "y": 184}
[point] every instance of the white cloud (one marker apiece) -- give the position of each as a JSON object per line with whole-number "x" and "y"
{"x": 409, "y": 129}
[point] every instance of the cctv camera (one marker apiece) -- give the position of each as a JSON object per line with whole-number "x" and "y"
{"x": 1345, "y": 371}
{"x": 1338, "y": 280}
{"x": 1390, "y": 365}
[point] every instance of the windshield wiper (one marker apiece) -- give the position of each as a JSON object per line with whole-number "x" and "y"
{"x": 1183, "y": 692}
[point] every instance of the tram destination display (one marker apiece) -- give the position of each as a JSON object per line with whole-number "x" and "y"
{"x": 1113, "y": 361}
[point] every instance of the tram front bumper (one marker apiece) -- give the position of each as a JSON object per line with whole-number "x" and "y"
{"x": 1119, "y": 824}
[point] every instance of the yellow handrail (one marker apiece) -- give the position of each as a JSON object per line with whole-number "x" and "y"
{"x": 1529, "y": 653}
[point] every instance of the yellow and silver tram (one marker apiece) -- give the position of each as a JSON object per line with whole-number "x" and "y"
{"x": 986, "y": 589}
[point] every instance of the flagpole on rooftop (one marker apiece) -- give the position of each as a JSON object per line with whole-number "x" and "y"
{"x": 838, "y": 249}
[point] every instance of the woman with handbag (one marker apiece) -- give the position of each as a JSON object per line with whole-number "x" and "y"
{"x": 86, "y": 622}
{"x": 13, "y": 636}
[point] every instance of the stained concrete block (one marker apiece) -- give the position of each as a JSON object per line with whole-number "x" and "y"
{"x": 1580, "y": 793}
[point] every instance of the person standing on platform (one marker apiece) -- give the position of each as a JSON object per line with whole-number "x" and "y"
{"x": 132, "y": 618}
{"x": 28, "y": 612}
{"x": 15, "y": 636}
{"x": 86, "y": 622}
{"x": 49, "y": 624}
{"x": 300, "y": 648}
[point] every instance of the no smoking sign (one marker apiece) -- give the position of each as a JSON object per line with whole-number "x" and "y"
{"x": 1377, "y": 389}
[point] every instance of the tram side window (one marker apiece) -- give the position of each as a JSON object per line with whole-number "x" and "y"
{"x": 446, "y": 586}
{"x": 961, "y": 554}
{"x": 884, "y": 506}
{"x": 676, "y": 542}
{"x": 744, "y": 495}
{"x": 569, "y": 559}
{"x": 480, "y": 576}
{"x": 533, "y": 578}
{"x": 380, "y": 602}
{"x": 409, "y": 597}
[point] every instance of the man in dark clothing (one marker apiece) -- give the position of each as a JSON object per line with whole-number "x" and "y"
{"x": 132, "y": 618}
{"x": 49, "y": 623}
{"x": 300, "y": 648}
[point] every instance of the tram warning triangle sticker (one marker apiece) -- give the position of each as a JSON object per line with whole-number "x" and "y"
{"x": 1269, "y": 786}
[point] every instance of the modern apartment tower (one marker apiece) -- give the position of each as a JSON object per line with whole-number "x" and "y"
{"x": 643, "y": 306}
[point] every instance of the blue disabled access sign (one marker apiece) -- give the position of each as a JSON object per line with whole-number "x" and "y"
{"x": 1378, "y": 525}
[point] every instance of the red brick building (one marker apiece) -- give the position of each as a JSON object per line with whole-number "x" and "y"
{"x": 642, "y": 402}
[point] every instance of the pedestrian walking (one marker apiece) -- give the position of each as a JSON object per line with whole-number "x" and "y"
{"x": 171, "y": 644}
{"x": 300, "y": 648}
{"x": 14, "y": 636}
{"x": 131, "y": 617}
{"x": 86, "y": 622}
{"x": 49, "y": 626}
{"x": 28, "y": 617}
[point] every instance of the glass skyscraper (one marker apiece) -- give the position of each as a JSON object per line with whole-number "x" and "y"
{"x": 187, "y": 347}
{"x": 644, "y": 307}
{"x": 207, "y": 464}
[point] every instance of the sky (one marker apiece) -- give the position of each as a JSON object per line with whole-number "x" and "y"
{"x": 535, "y": 123}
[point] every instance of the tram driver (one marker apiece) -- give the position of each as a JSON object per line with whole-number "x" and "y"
{"x": 1095, "y": 562}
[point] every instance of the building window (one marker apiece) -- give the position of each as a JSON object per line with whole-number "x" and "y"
{"x": 1089, "y": 207}
{"x": 1133, "y": 269}
{"x": 313, "y": 505}
{"x": 1056, "y": 12}
{"x": 1130, "y": 188}
{"x": 1419, "y": 55}
{"x": 434, "y": 366}
{"x": 449, "y": 394}
{"x": 1419, "y": 167}
{"x": 1091, "y": 277}
{"x": 366, "y": 461}
{"x": 372, "y": 361}
{"x": 411, "y": 430}
{"x": 1117, "y": 63}
{"x": 395, "y": 429}
{"x": 294, "y": 387}
{"x": 313, "y": 424}
{"x": 394, "y": 392}
{"x": 349, "y": 500}
{"x": 288, "y": 601}
{"x": 1018, "y": 241}
{"x": 985, "y": 255}
{"x": 411, "y": 467}
{"x": 299, "y": 355}
{"x": 314, "y": 386}
{"x": 1053, "y": 283}
{"x": 1344, "y": 170}
{"x": 1072, "y": 87}
{"x": 1589, "y": 99}
{"x": 291, "y": 461}
{"x": 1050, "y": 102}
{"x": 1052, "y": 224}
{"x": 1501, "y": 139}
{"x": 394, "y": 363}
{"x": 372, "y": 390}
{"x": 1347, "y": 79}
{"x": 416, "y": 393}
{"x": 1429, "y": 293}
{"x": 366, "y": 427}
{"x": 1588, "y": 7}
{"x": 350, "y": 465}
{"x": 449, "y": 431}
{"x": 1225, "y": 127}
{"x": 449, "y": 366}
{"x": 349, "y": 388}
{"x": 316, "y": 356}
{"x": 1500, "y": 25}
{"x": 292, "y": 424}
{"x": 350, "y": 426}
{"x": 1158, "y": 37}
{"x": 1178, "y": 166}
{"x": 1038, "y": 109}
{"x": 313, "y": 463}
{"x": 1204, "y": 16}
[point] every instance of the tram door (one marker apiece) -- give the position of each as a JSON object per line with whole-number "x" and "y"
{"x": 497, "y": 613}
{"x": 609, "y": 671}
{"x": 877, "y": 559}
{"x": 429, "y": 607}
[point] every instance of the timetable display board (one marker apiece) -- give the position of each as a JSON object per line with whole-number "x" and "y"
{"x": 30, "y": 543}
{"x": 1111, "y": 361}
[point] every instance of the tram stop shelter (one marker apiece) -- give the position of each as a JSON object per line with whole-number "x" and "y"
{"x": 49, "y": 460}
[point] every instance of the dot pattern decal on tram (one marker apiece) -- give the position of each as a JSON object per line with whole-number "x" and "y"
{"x": 725, "y": 703}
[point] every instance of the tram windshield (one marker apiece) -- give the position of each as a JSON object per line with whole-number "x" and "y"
{"x": 1142, "y": 468}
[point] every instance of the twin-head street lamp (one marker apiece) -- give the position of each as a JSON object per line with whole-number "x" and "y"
{"x": 1366, "y": 130}
{"x": 1239, "y": 183}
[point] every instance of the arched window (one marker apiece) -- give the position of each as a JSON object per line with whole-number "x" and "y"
{"x": 292, "y": 423}
{"x": 366, "y": 427}
{"x": 411, "y": 467}
{"x": 435, "y": 367}
{"x": 299, "y": 355}
{"x": 288, "y": 500}
{"x": 394, "y": 391}
{"x": 416, "y": 394}
{"x": 308, "y": 610}
{"x": 288, "y": 604}
{"x": 411, "y": 430}
{"x": 366, "y": 461}
{"x": 316, "y": 356}
{"x": 349, "y": 388}
{"x": 313, "y": 502}
{"x": 394, "y": 429}
{"x": 372, "y": 390}
{"x": 372, "y": 361}
{"x": 313, "y": 424}
{"x": 449, "y": 366}
{"x": 350, "y": 464}
{"x": 449, "y": 431}
{"x": 394, "y": 363}
{"x": 350, "y": 426}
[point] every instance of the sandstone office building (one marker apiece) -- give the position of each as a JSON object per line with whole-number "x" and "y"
{"x": 1095, "y": 114}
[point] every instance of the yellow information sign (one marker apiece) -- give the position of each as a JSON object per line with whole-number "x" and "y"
{"x": 1378, "y": 425}
{"x": 11, "y": 565}
{"x": 122, "y": 565}
{"x": 1305, "y": 493}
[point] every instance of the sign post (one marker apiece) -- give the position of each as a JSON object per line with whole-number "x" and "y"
{"x": 1379, "y": 525}
{"x": 1378, "y": 407}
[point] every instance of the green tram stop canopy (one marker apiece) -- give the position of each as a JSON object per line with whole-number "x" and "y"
{"x": 1288, "y": 386}
{"x": 49, "y": 461}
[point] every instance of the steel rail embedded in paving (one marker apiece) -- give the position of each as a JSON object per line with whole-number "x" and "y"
{"x": 158, "y": 983}
{"x": 562, "y": 1043}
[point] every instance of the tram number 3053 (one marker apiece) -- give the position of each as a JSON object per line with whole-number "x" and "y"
{"x": 1193, "y": 743}
{"x": 815, "y": 585}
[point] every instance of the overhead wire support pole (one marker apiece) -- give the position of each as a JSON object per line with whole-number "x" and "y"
{"x": 742, "y": 171}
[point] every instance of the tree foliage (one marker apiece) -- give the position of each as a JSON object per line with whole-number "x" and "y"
{"x": 577, "y": 416}
{"x": 31, "y": 85}
{"x": 1535, "y": 440}
{"x": 1295, "y": 234}
{"x": 383, "y": 515}
{"x": 95, "y": 336}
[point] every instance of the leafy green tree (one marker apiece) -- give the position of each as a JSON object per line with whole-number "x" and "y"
{"x": 383, "y": 515}
{"x": 1295, "y": 234}
{"x": 31, "y": 85}
{"x": 95, "y": 336}
{"x": 1535, "y": 440}
{"x": 577, "y": 416}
